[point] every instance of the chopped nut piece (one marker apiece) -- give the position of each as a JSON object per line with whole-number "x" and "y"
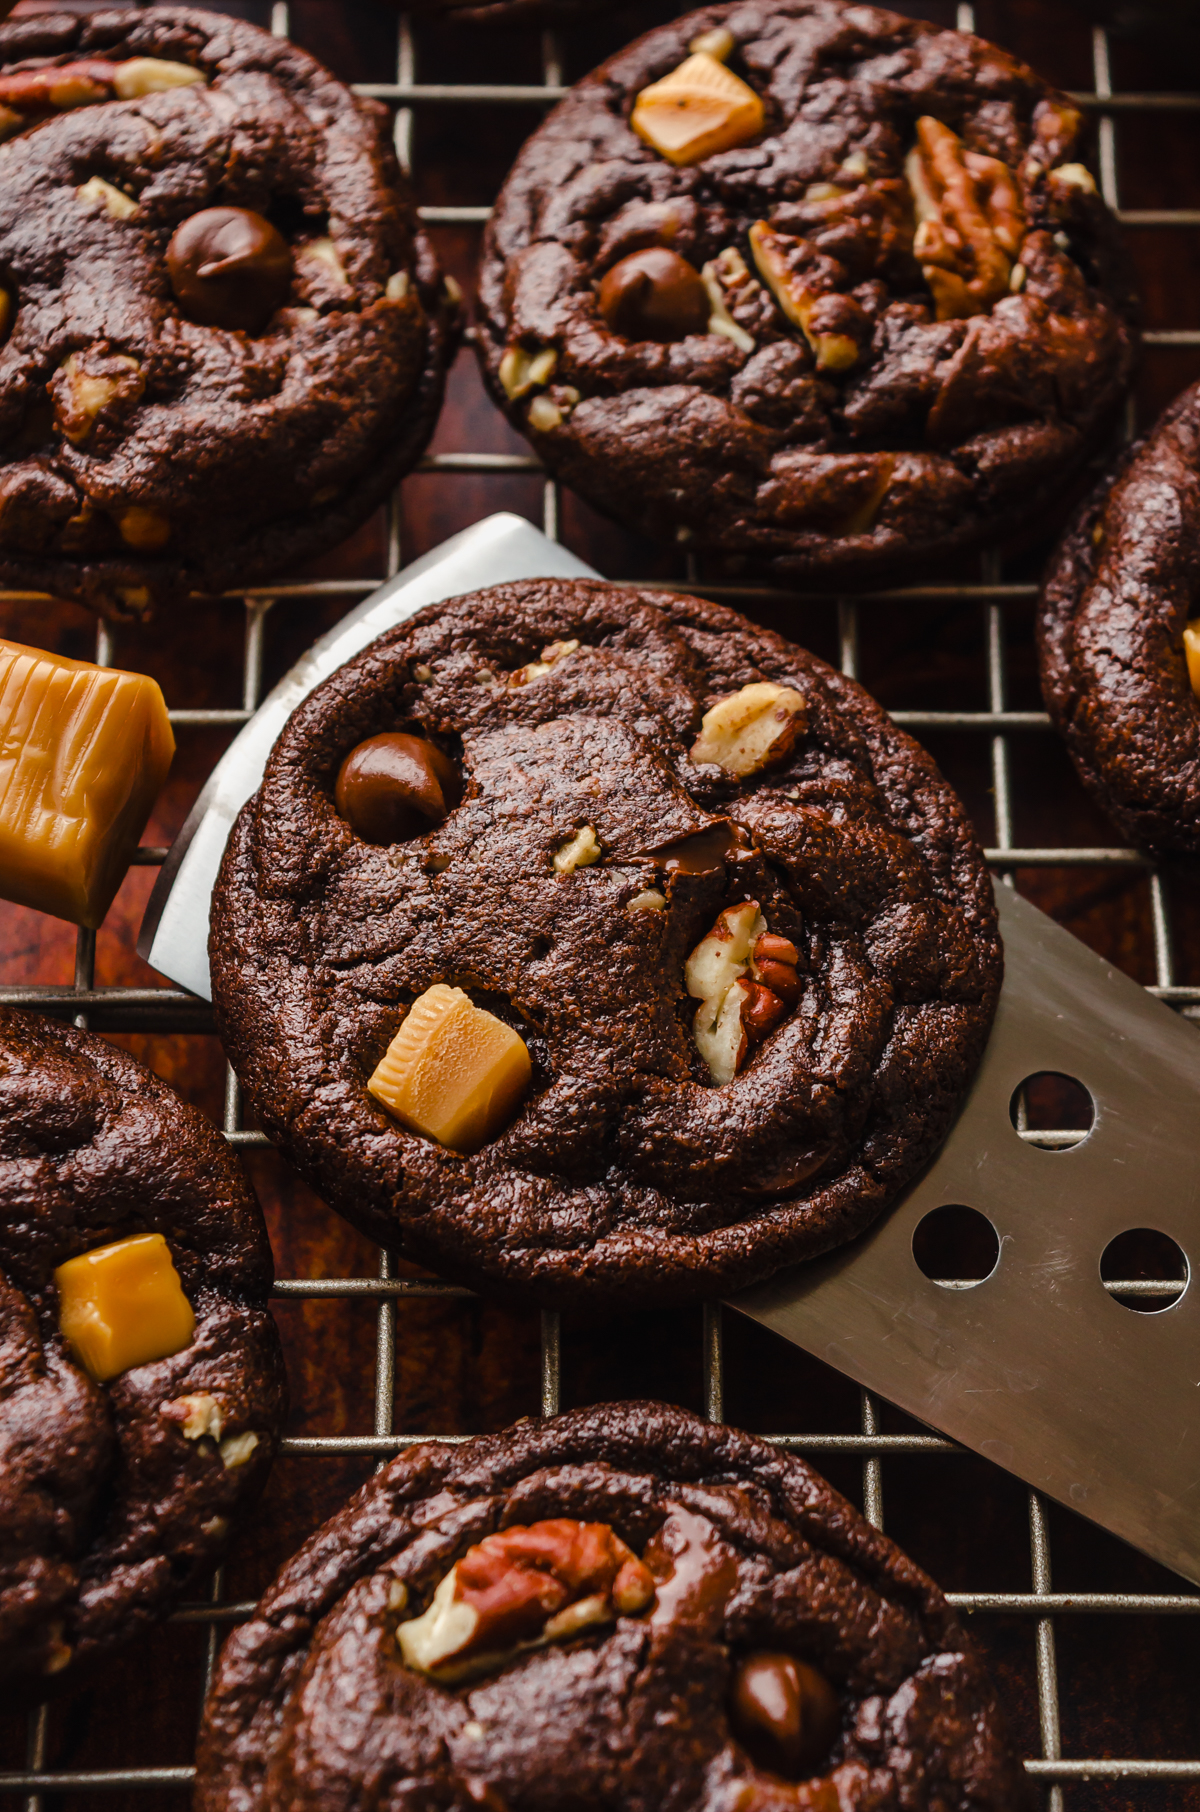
{"x": 216, "y": 1528}
{"x": 857, "y": 165}
{"x": 522, "y": 371}
{"x": 152, "y": 75}
{"x": 1075, "y": 176}
{"x": 453, "y": 1072}
{"x": 824, "y": 317}
{"x": 521, "y": 1588}
{"x": 971, "y": 221}
{"x": 201, "y": 1415}
{"x": 649, "y": 900}
{"x": 87, "y": 383}
{"x": 1191, "y": 651}
{"x": 123, "y": 1305}
{"x": 423, "y": 673}
{"x": 718, "y": 43}
{"x": 144, "y": 529}
{"x": 114, "y": 201}
{"x": 57, "y": 87}
{"x": 325, "y": 255}
{"x": 551, "y": 655}
{"x": 237, "y": 1449}
{"x": 396, "y": 289}
{"x": 724, "y": 955}
{"x": 720, "y": 320}
{"x": 746, "y": 981}
{"x": 580, "y": 852}
{"x": 397, "y": 1595}
{"x": 699, "y": 109}
{"x": 83, "y": 753}
{"x": 544, "y": 415}
{"x": 751, "y": 729}
{"x": 1016, "y": 281}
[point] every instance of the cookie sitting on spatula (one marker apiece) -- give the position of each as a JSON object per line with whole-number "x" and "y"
{"x": 592, "y": 943}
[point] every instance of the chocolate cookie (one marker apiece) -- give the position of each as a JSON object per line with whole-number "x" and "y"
{"x": 1114, "y": 607}
{"x": 809, "y": 283}
{"x": 624, "y": 1606}
{"x": 670, "y": 969}
{"x": 224, "y": 334}
{"x": 117, "y": 1488}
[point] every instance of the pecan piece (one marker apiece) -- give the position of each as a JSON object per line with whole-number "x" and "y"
{"x": 746, "y": 980}
{"x": 971, "y": 221}
{"x": 803, "y": 282}
{"x": 525, "y": 1586}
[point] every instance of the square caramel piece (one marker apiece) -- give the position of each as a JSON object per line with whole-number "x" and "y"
{"x": 123, "y": 1305}
{"x": 83, "y": 753}
{"x": 453, "y": 1072}
{"x": 699, "y": 108}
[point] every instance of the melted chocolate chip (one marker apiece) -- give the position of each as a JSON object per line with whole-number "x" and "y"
{"x": 784, "y": 1712}
{"x": 395, "y": 786}
{"x": 699, "y": 852}
{"x": 654, "y": 295}
{"x": 229, "y": 268}
{"x": 695, "y": 1572}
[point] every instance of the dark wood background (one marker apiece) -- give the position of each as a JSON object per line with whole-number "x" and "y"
{"x": 1129, "y": 1685}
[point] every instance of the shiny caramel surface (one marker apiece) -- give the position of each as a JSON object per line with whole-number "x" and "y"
{"x": 123, "y": 1305}
{"x": 83, "y": 753}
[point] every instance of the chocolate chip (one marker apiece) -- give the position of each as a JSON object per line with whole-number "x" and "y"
{"x": 229, "y": 268}
{"x": 701, "y": 851}
{"x": 784, "y": 1712}
{"x": 654, "y": 295}
{"x": 394, "y": 786}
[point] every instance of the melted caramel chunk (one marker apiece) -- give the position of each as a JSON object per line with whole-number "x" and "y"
{"x": 1191, "y": 653}
{"x": 83, "y": 753}
{"x": 698, "y": 109}
{"x": 122, "y": 1306}
{"x": 452, "y": 1072}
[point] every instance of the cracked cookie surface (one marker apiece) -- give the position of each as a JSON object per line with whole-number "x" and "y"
{"x": 564, "y": 894}
{"x": 754, "y": 1558}
{"x": 143, "y": 452}
{"x": 920, "y": 322}
{"x": 116, "y": 1497}
{"x": 1114, "y": 606}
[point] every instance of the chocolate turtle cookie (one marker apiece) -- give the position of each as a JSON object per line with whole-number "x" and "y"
{"x": 624, "y": 1606}
{"x": 593, "y": 943}
{"x": 1120, "y": 661}
{"x": 224, "y": 335}
{"x": 808, "y": 283}
{"x": 141, "y": 1381}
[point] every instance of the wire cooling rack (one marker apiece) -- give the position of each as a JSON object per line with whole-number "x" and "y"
{"x": 170, "y": 1010}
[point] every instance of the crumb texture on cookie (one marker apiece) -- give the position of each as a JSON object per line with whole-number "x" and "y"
{"x": 116, "y": 1496}
{"x": 224, "y": 333}
{"x": 598, "y": 878}
{"x": 1113, "y": 640}
{"x": 761, "y": 1646}
{"x": 919, "y": 318}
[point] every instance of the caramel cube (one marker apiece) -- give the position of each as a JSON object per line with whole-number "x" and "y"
{"x": 453, "y": 1072}
{"x": 83, "y": 753}
{"x": 1191, "y": 652}
{"x": 698, "y": 109}
{"x": 123, "y": 1305}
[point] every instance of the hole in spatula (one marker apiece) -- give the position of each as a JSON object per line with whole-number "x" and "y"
{"x": 1052, "y": 1111}
{"x": 1145, "y": 1270}
{"x": 956, "y": 1247}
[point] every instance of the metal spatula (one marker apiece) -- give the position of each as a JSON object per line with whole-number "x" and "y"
{"x": 1038, "y": 1367}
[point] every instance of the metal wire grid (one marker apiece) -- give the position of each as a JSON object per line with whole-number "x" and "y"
{"x": 172, "y": 1009}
